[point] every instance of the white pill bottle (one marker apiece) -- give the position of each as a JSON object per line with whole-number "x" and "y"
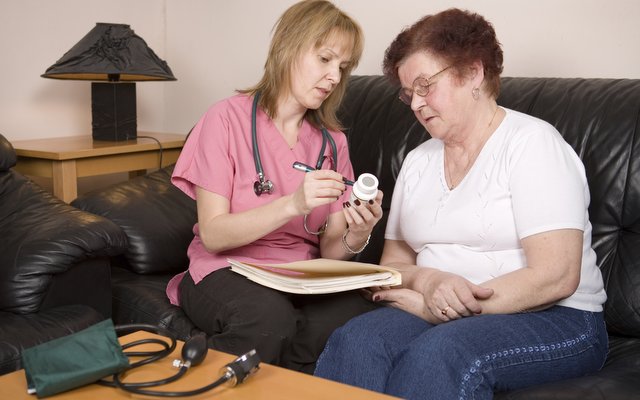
{"x": 365, "y": 188}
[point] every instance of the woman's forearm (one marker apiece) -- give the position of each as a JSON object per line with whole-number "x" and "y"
{"x": 232, "y": 230}
{"x": 553, "y": 273}
{"x": 525, "y": 290}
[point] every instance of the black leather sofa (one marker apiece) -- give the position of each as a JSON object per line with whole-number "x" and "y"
{"x": 600, "y": 118}
{"x": 54, "y": 264}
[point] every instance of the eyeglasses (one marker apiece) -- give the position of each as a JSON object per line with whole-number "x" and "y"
{"x": 421, "y": 87}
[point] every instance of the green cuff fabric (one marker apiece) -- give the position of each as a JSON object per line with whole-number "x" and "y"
{"x": 74, "y": 360}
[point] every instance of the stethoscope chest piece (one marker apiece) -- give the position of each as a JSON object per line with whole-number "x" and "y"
{"x": 262, "y": 186}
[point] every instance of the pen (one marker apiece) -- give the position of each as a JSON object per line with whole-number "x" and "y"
{"x": 305, "y": 168}
{"x": 302, "y": 167}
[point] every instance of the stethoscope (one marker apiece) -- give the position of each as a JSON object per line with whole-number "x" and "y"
{"x": 264, "y": 185}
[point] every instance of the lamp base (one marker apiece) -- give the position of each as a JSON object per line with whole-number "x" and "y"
{"x": 113, "y": 109}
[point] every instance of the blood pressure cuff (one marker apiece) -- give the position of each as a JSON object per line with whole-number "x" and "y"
{"x": 74, "y": 360}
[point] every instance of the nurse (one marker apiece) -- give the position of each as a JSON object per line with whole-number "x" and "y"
{"x": 254, "y": 207}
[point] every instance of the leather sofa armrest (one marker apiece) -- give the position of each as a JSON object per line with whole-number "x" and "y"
{"x": 43, "y": 237}
{"x": 157, "y": 217}
{"x": 7, "y": 154}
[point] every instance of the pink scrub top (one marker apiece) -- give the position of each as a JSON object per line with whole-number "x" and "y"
{"x": 218, "y": 157}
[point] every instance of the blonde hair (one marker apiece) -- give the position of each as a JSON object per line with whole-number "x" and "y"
{"x": 305, "y": 24}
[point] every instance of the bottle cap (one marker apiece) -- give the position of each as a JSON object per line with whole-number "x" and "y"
{"x": 366, "y": 187}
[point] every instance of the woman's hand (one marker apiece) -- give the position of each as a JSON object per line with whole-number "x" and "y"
{"x": 449, "y": 296}
{"x": 318, "y": 188}
{"x": 358, "y": 220}
{"x": 361, "y": 217}
{"x": 403, "y": 299}
{"x": 436, "y": 296}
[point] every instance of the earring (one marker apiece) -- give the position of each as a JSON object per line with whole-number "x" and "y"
{"x": 475, "y": 93}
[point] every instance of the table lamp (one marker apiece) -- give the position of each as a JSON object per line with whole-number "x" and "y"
{"x": 114, "y": 58}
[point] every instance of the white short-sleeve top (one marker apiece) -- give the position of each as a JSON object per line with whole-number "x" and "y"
{"x": 526, "y": 180}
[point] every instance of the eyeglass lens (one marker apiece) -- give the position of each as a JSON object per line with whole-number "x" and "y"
{"x": 421, "y": 87}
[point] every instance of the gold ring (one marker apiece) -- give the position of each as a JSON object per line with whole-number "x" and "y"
{"x": 445, "y": 310}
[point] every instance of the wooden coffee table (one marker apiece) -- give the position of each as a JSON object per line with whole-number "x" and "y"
{"x": 66, "y": 159}
{"x": 269, "y": 382}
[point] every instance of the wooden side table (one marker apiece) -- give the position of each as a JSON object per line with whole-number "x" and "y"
{"x": 66, "y": 159}
{"x": 269, "y": 382}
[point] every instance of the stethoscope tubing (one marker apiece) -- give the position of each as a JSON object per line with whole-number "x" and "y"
{"x": 264, "y": 185}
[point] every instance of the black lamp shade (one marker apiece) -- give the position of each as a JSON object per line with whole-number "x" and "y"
{"x": 114, "y": 57}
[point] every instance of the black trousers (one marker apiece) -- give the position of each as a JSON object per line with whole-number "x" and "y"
{"x": 286, "y": 329}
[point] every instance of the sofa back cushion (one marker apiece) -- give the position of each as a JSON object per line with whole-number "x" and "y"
{"x": 380, "y": 130}
{"x": 600, "y": 118}
{"x": 156, "y": 216}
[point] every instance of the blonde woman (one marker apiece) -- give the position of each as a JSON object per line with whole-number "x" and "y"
{"x": 253, "y": 206}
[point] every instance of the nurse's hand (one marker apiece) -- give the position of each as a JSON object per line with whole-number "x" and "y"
{"x": 318, "y": 188}
{"x": 361, "y": 216}
{"x": 405, "y": 299}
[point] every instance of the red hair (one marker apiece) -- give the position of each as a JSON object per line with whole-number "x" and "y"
{"x": 456, "y": 36}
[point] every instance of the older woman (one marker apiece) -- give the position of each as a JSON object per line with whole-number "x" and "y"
{"x": 490, "y": 228}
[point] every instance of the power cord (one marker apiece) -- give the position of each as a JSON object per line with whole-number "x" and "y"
{"x": 161, "y": 149}
{"x": 194, "y": 352}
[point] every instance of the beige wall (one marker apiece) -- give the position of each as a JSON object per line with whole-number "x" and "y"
{"x": 215, "y": 46}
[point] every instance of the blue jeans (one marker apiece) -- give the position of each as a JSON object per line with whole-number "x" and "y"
{"x": 394, "y": 352}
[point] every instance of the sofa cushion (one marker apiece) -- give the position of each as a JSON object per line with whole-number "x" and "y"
{"x": 618, "y": 379}
{"x": 156, "y": 216}
{"x": 142, "y": 299}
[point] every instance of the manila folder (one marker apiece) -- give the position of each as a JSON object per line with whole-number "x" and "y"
{"x": 317, "y": 276}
